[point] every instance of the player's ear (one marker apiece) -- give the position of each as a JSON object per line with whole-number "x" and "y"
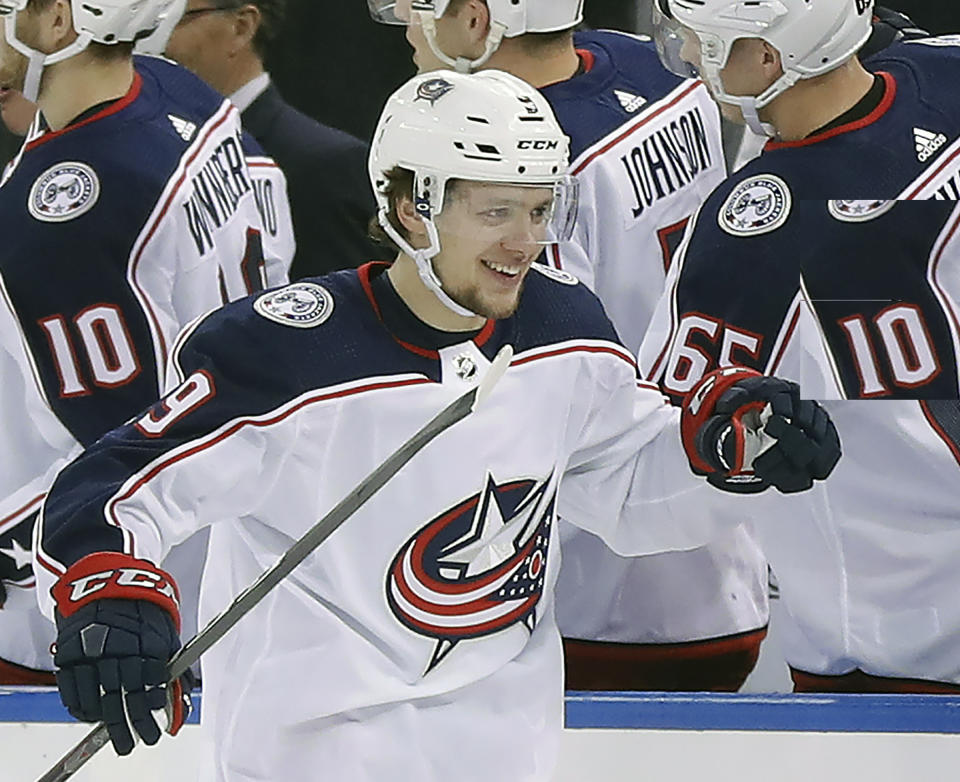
{"x": 771, "y": 60}
{"x": 475, "y": 17}
{"x": 408, "y": 217}
{"x": 246, "y": 22}
{"x": 57, "y": 29}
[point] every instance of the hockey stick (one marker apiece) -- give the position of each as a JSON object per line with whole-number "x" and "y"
{"x": 70, "y": 763}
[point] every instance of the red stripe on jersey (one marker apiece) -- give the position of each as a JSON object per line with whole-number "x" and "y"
{"x": 17, "y": 515}
{"x": 156, "y": 223}
{"x": 364, "y": 272}
{"x": 635, "y": 128}
{"x": 110, "y": 514}
{"x": 934, "y": 174}
{"x": 935, "y": 425}
{"x": 575, "y": 349}
{"x": 873, "y": 116}
{"x": 113, "y": 108}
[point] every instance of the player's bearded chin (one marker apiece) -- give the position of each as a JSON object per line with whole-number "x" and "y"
{"x": 488, "y": 307}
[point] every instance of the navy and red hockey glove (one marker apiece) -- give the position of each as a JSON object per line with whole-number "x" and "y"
{"x": 118, "y": 622}
{"x": 745, "y": 432}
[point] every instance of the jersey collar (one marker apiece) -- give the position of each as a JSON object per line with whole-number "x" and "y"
{"x": 407, "y": 329}
{"x": 890, "y": 92}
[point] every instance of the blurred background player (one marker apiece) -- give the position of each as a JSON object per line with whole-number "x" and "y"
{"x": 855, "y": 298}
{"x": 646, "y": 150}
{"x": 226, "y": 43}
{"x": 129, "y": 212}
{"x": 431, "y": 607}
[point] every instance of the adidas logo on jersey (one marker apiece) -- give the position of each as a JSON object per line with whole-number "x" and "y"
{"x": 927, "y": 143}
{"x": 185, "y": 129}
{"x": 629, "y": 101}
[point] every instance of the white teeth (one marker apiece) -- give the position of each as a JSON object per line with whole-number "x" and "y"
{"x": 499, "y": 267}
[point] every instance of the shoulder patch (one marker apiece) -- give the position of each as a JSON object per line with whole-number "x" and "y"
{"x": 302, "y": 305}
{"x": 559, "y": 275}
{"x": 63, "y": 192}
{"x": 758, "y": 205}
{"x": 858, "y": 211}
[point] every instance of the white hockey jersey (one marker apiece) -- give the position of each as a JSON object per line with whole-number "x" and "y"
{"x": 646, "y": 150}
{"x": 418, "y": 641}
{"x": 118, "y": 230}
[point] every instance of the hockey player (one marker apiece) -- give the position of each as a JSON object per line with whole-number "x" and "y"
{"x": 646, "y": 151}
{"x": 426, "y": 620}
{"x": 126, "y": 212}
{"x": 802, "y": 264}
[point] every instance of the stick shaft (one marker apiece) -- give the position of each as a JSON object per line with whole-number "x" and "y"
{"x": 70, "y": 763}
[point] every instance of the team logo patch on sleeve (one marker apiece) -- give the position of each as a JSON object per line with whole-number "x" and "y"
{"x": 556, "y": 274}
{"x": 64, "y": 192}
{"x": 433, "y": 89}
{"x": 858, "y": 211}
{"x": 757, "y": 205}
{"x": 302, "y": 305}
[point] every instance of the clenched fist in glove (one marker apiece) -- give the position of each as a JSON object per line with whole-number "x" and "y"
{"x": 746, "y": 431}
{"x": 118, "y": 623}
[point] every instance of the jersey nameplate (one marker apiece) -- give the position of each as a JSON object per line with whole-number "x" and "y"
{"x": 64, "y": 192}
{"x": 757, "y": 205}
{"x": 302, "y": 305}
{"x": 858, "y": 211}
{"x": 556, "y": 274}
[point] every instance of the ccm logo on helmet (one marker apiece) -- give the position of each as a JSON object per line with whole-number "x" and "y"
{"x": 862, "y": 6}
{"x": 537, "y": 144}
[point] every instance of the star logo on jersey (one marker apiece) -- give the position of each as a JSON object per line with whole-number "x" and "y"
{"x": 629, "y": 101}
{"x": 858, "y": 211}
{"x": 302, "y": 305}
{"x": 757, "y": 205}
{"x": 927, "y": 143}
{"x": 476, "y": 569}
{"x": 16, "y": 565}
{"x": 432, "y": 90}
{"x": 64, "y": 192}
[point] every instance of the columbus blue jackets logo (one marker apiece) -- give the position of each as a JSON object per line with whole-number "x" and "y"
{"x": 476, "y": 569}
{"x": 432, "y": 90}
{"x": 858, "y": 211}
{"x": 302, "y": 305}
{"x": 64, "y": 192}
{"x": 757, "y": 205}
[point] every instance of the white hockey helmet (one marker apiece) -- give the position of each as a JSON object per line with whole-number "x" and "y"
{"x": 99, "y": 21}
{"x": 484, "y": 127}
{"x": 812, "y": 36}
{"x": 508, "y": 18}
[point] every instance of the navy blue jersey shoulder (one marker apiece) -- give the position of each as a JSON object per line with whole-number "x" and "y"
{"x": 587, "y": 107}
{"x": 352, "y": 343}
{"x": 880, "y": 157}
{"x": 554, "y": 308}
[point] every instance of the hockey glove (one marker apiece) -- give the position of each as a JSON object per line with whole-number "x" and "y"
{"x": 118, "y": 623}
{"x": 746, "y": 431}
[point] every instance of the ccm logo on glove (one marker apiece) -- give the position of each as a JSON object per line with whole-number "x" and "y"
{"x": 107, "y": 575}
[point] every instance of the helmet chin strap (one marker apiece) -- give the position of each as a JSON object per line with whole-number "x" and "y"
{"x": 462, "y": 64}
{"x": 423, "y": 259}
{"x": 750, "y": 105}
{"x": 37, "y": 61}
